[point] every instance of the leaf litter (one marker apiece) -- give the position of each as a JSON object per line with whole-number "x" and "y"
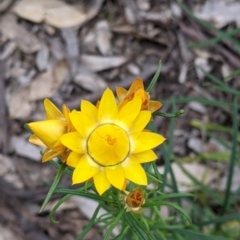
{"x": 98, "y": 44}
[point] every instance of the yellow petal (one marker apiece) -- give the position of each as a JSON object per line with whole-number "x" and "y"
{"x": 66, "y": 112}
{"x": 73, "y": 159}
{"x": 49, "y": 154}
{"x": 52, "y": 112}
{"x": 58, "y": 146}
{"x": 107, "y": 107}
{"x": 89, "y": 109}
{"x": 101, "y": 182}
{"x": 48, "y": 131}
{"x": 64, "y": 155}
{"x": 129, "y": 112}
{"x": 141, "y": 121}
{"x": 82, "y": 122}
{"x": 121, "y": 93}
{"x": 145, "y": 141}
{"x": 74, "y": 141}
{"x": 116, "y": 177}
{"x": 85, "y": 170}
{"x": 134, "y": 172}
{"x": 137, "y": 84}
{"x": 154, "y": 106}
{"x": 35, "y": 140}
{"x": 143, "y": 157}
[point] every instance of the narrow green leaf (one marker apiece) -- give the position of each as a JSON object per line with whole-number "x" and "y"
{"x": 90, "y": 224}
{"x": 223, "y": 89}
{"x": 204, "y": 188}
{"x": 58, "y": 204}
{"x": 54, "y": 185}
{"x": 67, "y": 170}
{"x": 221, "y": 219}
{"x": 122, "y": 234}
{"x": 113, "y": 225}
{"x": 233, "y": 155}
{"x": 153, "y": 178}
{"x": 155, "y": 78}
{"x": 213, "y": 127}
{"x": 169, "y": 115}
{"x": 172, "y": 195}
{"x": 232, "y": 74}
{"x": 83, "y": 194}
{"x": 173, "y": 205}
{"x": 138, "y": 228}
{"x": 209, "y": 26}
{"x": 214, "y": 40}
{"x": 199, "y": 236}
{"x": 62, "y": 200}
{"x": 201, "y": 99}
{"x": 235, "y": 196}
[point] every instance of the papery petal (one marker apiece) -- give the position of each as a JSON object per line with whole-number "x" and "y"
{"x": 74, "y": 141}
{"x": 140, "y": 122}
{"x": 52, "y": 112}
{"x": 121, "y": 93}
{"x": 144, "y": 157}
{"x": 66, "y": 112}
{"x": 145, "y": 141}
{"x": 35, "y": 140}
{"x": 134, "y": 172}
{"x": 48, "y": 131}
{"x": 116, "y": 176}
{"x": 85, "y": 170}
{"x": 137, "y": 84}
{"x": 89, "y": 109}
{"x": 129, "y": 112}
{"x": 82, "y": 122}
{"x": 49, "y": 154}
{"x": 73, "y": 159}
{"x": 154, "y": 106}
{"x": 107, "y": 107}
{"x": 101, "y": 182}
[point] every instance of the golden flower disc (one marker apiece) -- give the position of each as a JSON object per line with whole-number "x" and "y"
{"x": 108, "y": 145}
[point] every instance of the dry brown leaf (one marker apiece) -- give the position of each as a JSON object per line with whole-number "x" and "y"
{"x": 13, "y": 31}
{"x": 55, "y": 13}
{"x": 64, "y": 16}
{"x": 47, "y": 84}
{"x": 19, "y": 106}
{"x": 8, "y": 172}
{"x": 98, "y": 63}
{"x": 164, "y": 16}
{"x": 8, "y": 233}
{"x": 203, "y": 63}
{"x": 21, "y": 101}
{"x": 103, "y": 37}
{"x": 219, "y": 12}
{"x": 88, "y": 79}
{"x": 25, "y": 149}
{"x": 42, "y": 58}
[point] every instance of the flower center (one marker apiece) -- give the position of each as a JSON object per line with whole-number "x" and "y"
{"x": 108, "y": 145}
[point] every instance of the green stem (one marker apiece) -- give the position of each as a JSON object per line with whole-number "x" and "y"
{"x": 56, "y": 181}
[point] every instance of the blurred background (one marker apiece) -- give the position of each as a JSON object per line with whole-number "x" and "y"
{"x": 72, "y": 50}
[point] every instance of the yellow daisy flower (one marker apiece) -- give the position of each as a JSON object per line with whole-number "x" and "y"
{"x": 48, "y": 132}
{"x": 137, "y": 89}
{"x": 109, "y": 144}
